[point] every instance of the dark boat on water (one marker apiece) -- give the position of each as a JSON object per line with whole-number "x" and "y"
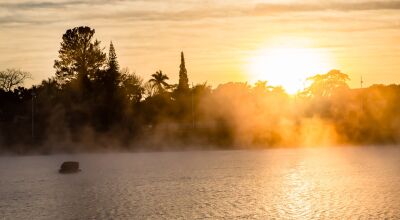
{"x": 70, "y": 167}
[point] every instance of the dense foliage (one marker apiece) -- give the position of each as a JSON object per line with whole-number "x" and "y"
{"x": 91, "y": 104}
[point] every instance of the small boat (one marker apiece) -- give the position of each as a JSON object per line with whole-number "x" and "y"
{"x": 70, "y": 167}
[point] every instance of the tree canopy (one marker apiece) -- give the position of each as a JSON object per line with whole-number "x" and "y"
{"x": 80, "y": 56}
{"x": 159, "y": 80}
{"x": 92, "y": 103}
{"x": 326, "y": 84}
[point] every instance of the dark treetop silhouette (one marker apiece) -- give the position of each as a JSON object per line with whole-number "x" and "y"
{"x": 183, "y": 77}
{"x": 91, "y": 104}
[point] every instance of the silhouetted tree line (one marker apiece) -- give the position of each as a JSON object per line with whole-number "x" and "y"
{"x": 93, "y": 104}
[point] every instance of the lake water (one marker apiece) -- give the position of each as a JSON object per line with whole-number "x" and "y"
{"x": 324, "y": 183}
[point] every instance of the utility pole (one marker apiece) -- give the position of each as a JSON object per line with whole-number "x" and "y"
{"x": 362, "y": 97}
{"x": 193, "y": 121}
{"x": 361, "y": 82}
{"x": 33, "y": 115}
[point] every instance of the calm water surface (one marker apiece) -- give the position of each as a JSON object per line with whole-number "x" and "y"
{"x": 325, "y": 183}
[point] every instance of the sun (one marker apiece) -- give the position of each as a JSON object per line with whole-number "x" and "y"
{"x": 288, "y": 67}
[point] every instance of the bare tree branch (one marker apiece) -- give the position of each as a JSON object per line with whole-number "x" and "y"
{"x": 11, "y": 78}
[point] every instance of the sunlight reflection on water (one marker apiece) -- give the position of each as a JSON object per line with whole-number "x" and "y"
{"x": 325, "y": 183}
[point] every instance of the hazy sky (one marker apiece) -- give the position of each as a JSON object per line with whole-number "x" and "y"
{"x": 218, "y": 37}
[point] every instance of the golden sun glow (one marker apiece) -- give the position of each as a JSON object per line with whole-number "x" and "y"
{"x": 288, "y": 67}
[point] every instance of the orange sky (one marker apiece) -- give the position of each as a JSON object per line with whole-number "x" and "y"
{"x": 218, "y": 37}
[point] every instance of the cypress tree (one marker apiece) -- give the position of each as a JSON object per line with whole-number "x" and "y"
{"x": 183, "y": 78}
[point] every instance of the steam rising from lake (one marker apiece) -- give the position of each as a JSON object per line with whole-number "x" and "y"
{"x": 322, "y": 183}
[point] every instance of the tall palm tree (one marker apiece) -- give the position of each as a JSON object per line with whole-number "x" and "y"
{"x": 159, "y": 81}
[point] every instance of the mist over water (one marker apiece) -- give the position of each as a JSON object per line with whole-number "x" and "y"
{"x": 303, "y": 183}
{"x": 183, "y": 134}
{"x": 94, "y": 105}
